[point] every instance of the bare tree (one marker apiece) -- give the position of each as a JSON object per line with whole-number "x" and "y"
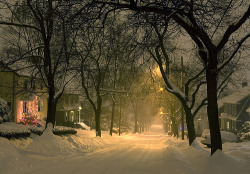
{"x": 48, "y": 27}
{"x": 212, "y": 27}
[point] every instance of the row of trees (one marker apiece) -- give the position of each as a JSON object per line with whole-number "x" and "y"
{"x": 94, "y": 41}
{"x": 215, "y": 28}
{"x": 60, "y": 42}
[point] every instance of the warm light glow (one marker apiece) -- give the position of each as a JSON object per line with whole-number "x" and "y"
{"x": 32, "y": 109}
{"x": 157, "y": 71}
{"x": 161, "y": 112}
{"x": 161, "y": 89}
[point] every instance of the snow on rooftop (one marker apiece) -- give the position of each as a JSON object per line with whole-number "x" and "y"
{"x": 248, "y": 110}
{"x": 236, "y": 97}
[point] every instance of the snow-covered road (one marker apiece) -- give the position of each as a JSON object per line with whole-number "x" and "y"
{"x": 140, "y": 155}
{"x": 149, "y": 153}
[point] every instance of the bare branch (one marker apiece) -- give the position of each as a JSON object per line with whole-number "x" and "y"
{"x": 232, "y": 28}
{"x": 20, "y": 25}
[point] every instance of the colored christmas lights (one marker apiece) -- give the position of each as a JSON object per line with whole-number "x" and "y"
{"x": 29, "y": 112}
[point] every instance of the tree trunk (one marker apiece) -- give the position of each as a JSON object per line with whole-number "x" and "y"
{"x": 182, "y": 123}
{"x": 120, "y": 119}
{"x": 51, "y": 112}
{"x": 98, "y": 117}
{"x": 190, "y": 125}
{"x": 136, "y": 123}
{"x": 112, "y": 118}
{"x": 212, "y": 109}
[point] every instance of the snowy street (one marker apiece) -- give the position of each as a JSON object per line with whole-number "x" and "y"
{"x": 143, "y": 154}
{"x": 149, "y": 153}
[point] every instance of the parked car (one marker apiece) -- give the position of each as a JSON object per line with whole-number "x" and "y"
{"x": 225, "y": 137}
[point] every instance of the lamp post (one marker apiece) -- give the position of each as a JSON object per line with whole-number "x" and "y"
{"x": 80, "y": 108}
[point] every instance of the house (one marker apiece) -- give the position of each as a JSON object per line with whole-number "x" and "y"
{"x": 23, "y": 95}
{"x": 236, "y": 110}
{"x": 68, "y": 108}
{"x": 26, "y": 95}
{"x": 70, "y": 104}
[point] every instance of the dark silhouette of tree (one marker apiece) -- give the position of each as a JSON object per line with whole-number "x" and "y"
{"x": 212, "y": 25}
{"x": 48, "y": 28}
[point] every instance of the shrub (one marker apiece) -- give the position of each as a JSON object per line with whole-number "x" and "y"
{"x": 64, "y": 131}
{"x": 244, "y": 133}
{"x": 5, "y": 115}
{"x": 14, "y": 133}
{"x": 35, "y": 130}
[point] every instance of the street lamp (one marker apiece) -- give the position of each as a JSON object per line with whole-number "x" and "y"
{"x": 80, "y": 108}
{"x": 161, "y": 89}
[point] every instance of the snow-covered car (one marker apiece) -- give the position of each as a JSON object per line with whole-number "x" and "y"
{"x": 225, "y": 137}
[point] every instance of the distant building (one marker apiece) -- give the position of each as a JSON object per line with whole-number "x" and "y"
{"x": 68, "y": 109}
{"x": 236, "y": 110}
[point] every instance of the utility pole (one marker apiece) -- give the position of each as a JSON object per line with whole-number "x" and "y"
{"x": 182, "y": 112}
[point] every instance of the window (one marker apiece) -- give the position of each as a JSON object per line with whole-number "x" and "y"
{"x": 41, "y": 84}
{"x": 33, "y": 84}
{"x": 66, "y": 100}
{"x": 228, "y": 125}
{"x": 233, "y": 109}
{"x": 25, "y": 84}
{"x": 40, "y": 105}
{"x": 25, "y": 108}
{"x": 72, "y": 115}
{"x": 66, "y": 116}
{"x": 226, "y": 108}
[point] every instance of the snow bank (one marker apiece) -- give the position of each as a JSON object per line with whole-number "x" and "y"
{"x": 220, "y": 163}
{"x": 84, "y": 126}
{"x": 195, "y": 144}
{"x": 50, "y": 145}
{"x": 177, "y": 161}
{"x": 12, "y": 158}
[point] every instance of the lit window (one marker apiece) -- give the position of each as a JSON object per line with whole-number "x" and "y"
{"x": 228, "y": 125}
{"x": 72, "y": 115}
{"x": 66, "y": 116}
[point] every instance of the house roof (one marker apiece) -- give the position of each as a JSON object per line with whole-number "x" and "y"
{"x": 228, "y": 116}
{"x": 236, "y": 97}
{"x": 248, "y": 110}
{"x": 220, "y": 104}
{"x": 70, "y": 108}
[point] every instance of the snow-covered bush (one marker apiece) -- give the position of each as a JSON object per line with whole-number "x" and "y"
{"x": 61, "y": 130}
{"x": 36, "y": 130}
{"x": 244, "y": 133}
{"x": 11, "y": 130}
{"x": 5, "y": 115}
